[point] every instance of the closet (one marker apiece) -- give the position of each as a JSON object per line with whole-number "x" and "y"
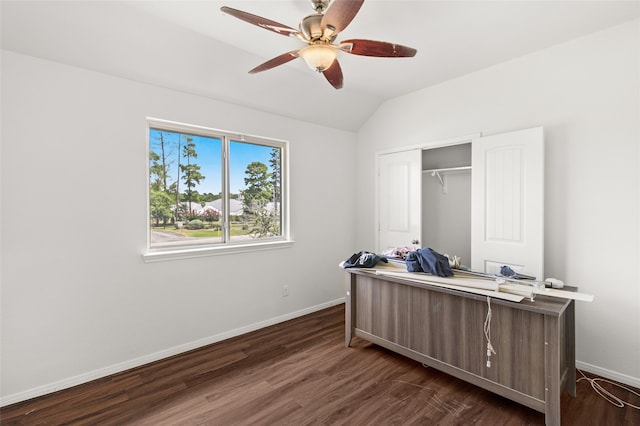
{"x": 446, "y": 200}
{"x": 477, "y": 197}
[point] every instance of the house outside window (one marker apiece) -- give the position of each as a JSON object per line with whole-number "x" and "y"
{"x": 213, "y": 191}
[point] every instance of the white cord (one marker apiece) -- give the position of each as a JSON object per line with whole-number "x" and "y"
{"x": 487, "y": 332}
{"x": 606, "y": 394}
{"x": 593, "y": 382}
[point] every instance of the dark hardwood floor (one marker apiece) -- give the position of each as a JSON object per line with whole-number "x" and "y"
{"x": 298, "y": 373}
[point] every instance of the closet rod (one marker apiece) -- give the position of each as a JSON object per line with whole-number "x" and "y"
{"x": 447, "y": 169}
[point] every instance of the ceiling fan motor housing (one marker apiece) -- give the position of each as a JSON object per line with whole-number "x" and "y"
{"x": 311, "y": 28}
{"x": 319, "y": 5}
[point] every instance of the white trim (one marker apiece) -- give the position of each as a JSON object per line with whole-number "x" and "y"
{"x": 176, "y": 126}
{"x": 146, "y": 359}
{"x": 159, "y": 255}
{"x": 137, "y": 362}
{"x": 458, "y": 140}
{"x": 608, "y": 374}
{"x": 186, "y": 251}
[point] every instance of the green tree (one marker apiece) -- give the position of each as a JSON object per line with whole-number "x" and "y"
{"x": 274, "y": 162}
{"x": 160, "y": 154}
{"x": 156, "y": 172}
{"x": 190, "y": 171}
{"x": 160, "y": 206}
{"x": 265, "y": 224}
{"x": 208, "y": 196}
{"x": 163, "y": 160}
{"x": 258, "y": 190}
{"x": 176, "y": 184}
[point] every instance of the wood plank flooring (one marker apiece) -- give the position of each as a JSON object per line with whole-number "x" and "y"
{"x": 297, "y": 373}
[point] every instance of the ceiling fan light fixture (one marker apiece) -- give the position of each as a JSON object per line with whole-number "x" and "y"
{"x": 319, "y": 32}
{"x": 319, "y": 57}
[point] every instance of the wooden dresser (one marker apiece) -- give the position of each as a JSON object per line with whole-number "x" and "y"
{"x": 444, "y": 329}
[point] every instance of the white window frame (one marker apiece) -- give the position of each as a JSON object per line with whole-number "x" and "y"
{"x": 156, "y": 254}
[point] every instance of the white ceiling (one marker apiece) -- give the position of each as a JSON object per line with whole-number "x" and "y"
{"x": 192, "y": 46}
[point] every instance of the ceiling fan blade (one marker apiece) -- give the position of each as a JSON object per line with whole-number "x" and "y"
{"x": 340, "y": 14}
{"x": 334, "y": 74}
{"x": 259, "y": 21}
{"x": 278, "y": 60}
{"x": 381, "y": 49}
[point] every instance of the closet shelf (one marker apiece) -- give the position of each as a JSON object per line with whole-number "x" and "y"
{"x": 446, "y": 169}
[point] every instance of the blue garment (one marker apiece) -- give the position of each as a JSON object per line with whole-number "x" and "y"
{"x": 428, "y": 260}
{"x": 363, "y": 259}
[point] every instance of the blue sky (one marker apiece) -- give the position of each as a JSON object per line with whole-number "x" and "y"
{"x": 209, "y": 160}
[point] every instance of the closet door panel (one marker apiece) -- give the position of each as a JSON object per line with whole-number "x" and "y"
{"x": 507, "y": 225}
{"x": 399, "y": 198}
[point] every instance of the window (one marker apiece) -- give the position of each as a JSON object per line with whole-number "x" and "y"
{"x": 212, "y": 191}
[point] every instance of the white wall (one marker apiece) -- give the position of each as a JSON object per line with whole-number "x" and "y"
{"x": 77, "y": 300}
{"x": 586, "y": 94}
{"x": 453, "y": 208}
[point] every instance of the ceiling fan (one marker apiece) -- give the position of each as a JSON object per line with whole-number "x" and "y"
{"x": 319, "y": 31}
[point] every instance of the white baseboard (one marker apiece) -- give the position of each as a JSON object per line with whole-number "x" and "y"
{"x": 137, "y": 362}
{"x": 608, "y": 374}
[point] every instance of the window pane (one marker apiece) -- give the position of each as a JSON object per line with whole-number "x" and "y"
{"x": 185, "y": 189}
{"x": 255, "y": 185}
{"x": 214, "y": 191}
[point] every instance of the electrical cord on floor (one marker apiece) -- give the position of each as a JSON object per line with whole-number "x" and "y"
{"x": 606, "y": 394}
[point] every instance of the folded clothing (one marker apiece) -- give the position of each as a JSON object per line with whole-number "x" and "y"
{"x": 428, "y": 260}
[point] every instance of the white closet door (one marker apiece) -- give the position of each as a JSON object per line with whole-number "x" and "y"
{"x": 507, "y": 209}
{"x": 399, "y": 198}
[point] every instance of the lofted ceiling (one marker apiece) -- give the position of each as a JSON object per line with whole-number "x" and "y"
{"x": 193, "y": 47}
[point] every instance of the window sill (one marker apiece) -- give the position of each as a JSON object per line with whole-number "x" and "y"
{"x": 161, "y": 255}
